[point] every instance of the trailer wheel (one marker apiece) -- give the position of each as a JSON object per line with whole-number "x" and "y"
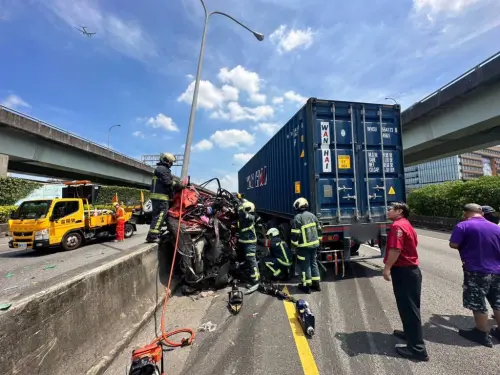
{"x": 285, "y": 229}
{"x": 71, "y": 241}
{"x": 355, "y": 249}
{"x": 129, "y": 230}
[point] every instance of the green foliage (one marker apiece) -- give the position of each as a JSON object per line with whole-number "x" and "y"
{"x": 447, "y": 199}
{"x": 129, "y": 196}
{"x": 5, "y": 213}
{"x": 14, "y": 189}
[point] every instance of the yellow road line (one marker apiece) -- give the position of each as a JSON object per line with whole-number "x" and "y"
{"x": 305, "y": 354}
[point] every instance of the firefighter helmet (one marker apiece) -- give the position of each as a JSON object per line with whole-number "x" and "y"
{"x": 167, "y": 157}
{"x": 115, "y": 204}
{"x": 273, "y": 232}
{"x": 248, "y": 206}
{"x": 301, "y": 204}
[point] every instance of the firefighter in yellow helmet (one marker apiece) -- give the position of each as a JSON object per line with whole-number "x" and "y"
{"x": 306, "y": 237}
{"x": 162, "y": 190}
{"x": 248, "y": 242}
{"x": 279, "y": 261}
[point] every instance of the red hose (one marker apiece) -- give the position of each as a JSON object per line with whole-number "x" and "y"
{"x": 165, "y": 335}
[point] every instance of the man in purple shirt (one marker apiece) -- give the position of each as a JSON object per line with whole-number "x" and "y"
{"x": 478, "y": 242}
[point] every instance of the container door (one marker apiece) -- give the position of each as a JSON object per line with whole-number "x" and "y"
{"x": 380, "y": 159}
{"x": 335, "y": 163}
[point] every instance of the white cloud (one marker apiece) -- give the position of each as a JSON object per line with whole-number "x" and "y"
{"x": 242, "y": 158}
{"x": 126, "y": 37}
{"x": 288, "y": 40}
{"x": 203, "y": 145}
{"x": 209, "y": 96}
{"x": 235, "y": 112}
{"x": 432, "y": 7}
{"x": 230, "y": 182}
{"x": 14, "y": 102}
{"x": 138, "y": 134}
{"x": 232, "y": 138}
{"x": 190, "y": 77}
{"x": 244, "y": 80}
{"x": 278, "y": 100}
{"x": 267, "y": 128}
{"x": 294, "y": 97}
{"x": 162, "y": 122}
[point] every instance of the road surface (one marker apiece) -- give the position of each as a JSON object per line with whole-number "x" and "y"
{"x": 355, "y": 318}
{"x": 24, "y": 272}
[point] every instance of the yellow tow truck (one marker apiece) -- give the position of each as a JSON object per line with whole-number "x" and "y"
{"x": 67, "y": 222}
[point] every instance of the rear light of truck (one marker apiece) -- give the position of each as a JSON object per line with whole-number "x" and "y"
{"x": 333, "y": 238}
{"x": 329, "y": 257}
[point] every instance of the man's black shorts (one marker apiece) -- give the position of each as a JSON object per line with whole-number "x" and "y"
{"x": 479, "y": 287}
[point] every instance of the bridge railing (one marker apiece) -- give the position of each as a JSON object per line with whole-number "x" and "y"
{"x": 66, "y": 132}
{"x": 435, "y": 223}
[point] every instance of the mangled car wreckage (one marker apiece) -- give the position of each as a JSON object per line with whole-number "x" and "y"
{"x": 208, "y": 238}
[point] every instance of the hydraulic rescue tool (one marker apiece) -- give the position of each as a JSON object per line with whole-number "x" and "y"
{"x": 306, "y": 317}
{"x": 235, "y": 300}
{"x": 145, "y": 360}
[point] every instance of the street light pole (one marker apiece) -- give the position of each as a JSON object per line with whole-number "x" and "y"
{"x": 189, "y": 137}
{"x": 394, "y": 100}
{"x": 109, "y": 131}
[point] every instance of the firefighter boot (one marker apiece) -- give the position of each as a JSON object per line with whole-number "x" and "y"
{"x": 316, "y": 286}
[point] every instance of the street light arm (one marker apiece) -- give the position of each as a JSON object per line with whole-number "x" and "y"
{"x": 204, "y": 7}
{"x": 259, "y": 36}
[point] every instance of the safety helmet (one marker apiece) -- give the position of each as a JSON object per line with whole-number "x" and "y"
{"x": 167, "y": 157}
{"x": 115, "y": 204}
{"x": 273, "y": 232}
{"x": 488, "y": 209}
{"x": 248, "y": 206}
{"x": 301, "y": 204}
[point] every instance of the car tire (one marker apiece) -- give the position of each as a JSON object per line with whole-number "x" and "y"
{"x": 71, "y": 241}
{"x": 129, "y": 230}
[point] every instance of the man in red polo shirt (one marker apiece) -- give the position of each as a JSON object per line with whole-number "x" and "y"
{"x": 401, "y": 264}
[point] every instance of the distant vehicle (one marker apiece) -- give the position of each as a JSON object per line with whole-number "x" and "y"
{"x": 84, "y": 31}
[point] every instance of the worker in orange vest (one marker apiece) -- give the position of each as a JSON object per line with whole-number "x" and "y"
{"x": 120, "y": 221}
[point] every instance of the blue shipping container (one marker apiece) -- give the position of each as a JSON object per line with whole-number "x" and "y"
{"x": 345, "y": 158}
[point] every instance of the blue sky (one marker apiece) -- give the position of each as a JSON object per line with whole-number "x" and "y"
{"x": 138, "y": 69}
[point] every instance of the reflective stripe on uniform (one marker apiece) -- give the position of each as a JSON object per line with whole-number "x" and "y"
{"x": 300, "y": 257}
{"x": 250, "y": 255}
{"x": 154, "y": 231}
{"x": 247, "y": 241}
{"x": 270, "y": 266}
{"x": 304, "y": 236}
{"x": 158, "y": 196}
{"x": 286, "y": 262}
{"x": 316, "y": 278}
{"x": 247, "y": 228}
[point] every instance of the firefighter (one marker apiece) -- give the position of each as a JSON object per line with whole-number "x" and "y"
{"x": 248, "y": 242}
{"x": 162, "y": 189}
{"x": 279, "y": 260}
{"x": 120, "y": 222}
{"x": 306, "y": 237}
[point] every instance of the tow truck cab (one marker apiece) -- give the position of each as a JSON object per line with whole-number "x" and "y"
{"x": 67, "y": 222}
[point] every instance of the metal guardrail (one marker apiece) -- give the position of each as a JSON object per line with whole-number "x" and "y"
{"x": 66, "y": 132}
{"x": 435, "y": 223}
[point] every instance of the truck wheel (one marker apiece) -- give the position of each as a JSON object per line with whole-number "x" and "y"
{"x": 355, "y": 249}
{"x": 71, "y": 241}
{"x": 129, "y": 230}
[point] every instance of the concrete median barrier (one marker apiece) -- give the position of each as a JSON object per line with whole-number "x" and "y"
{"x": 77, "y": 326}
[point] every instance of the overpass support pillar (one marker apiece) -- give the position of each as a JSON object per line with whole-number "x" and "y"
{"x": 4, "y": 165}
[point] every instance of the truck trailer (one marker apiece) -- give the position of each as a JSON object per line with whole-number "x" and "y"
{"x": 346, "y": 159}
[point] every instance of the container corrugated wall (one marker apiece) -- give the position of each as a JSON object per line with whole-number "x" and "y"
{"x": 324, "y": 153}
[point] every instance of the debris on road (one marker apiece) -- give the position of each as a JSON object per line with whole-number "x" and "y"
{"x": 49, "y": 267}
{"x": 208, "y": 326}
{"x": 5, "y": 306}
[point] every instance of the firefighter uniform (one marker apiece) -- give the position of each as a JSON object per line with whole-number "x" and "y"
{"x": 162, "y": 188}
{"x": 279, "y": 260}
{"x": 306, "y": 237}
{"x": 248, "y": 240}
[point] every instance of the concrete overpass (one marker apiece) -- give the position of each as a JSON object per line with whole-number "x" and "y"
{"x": 35, "y": 147}
{"x": 462, "y": 116}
